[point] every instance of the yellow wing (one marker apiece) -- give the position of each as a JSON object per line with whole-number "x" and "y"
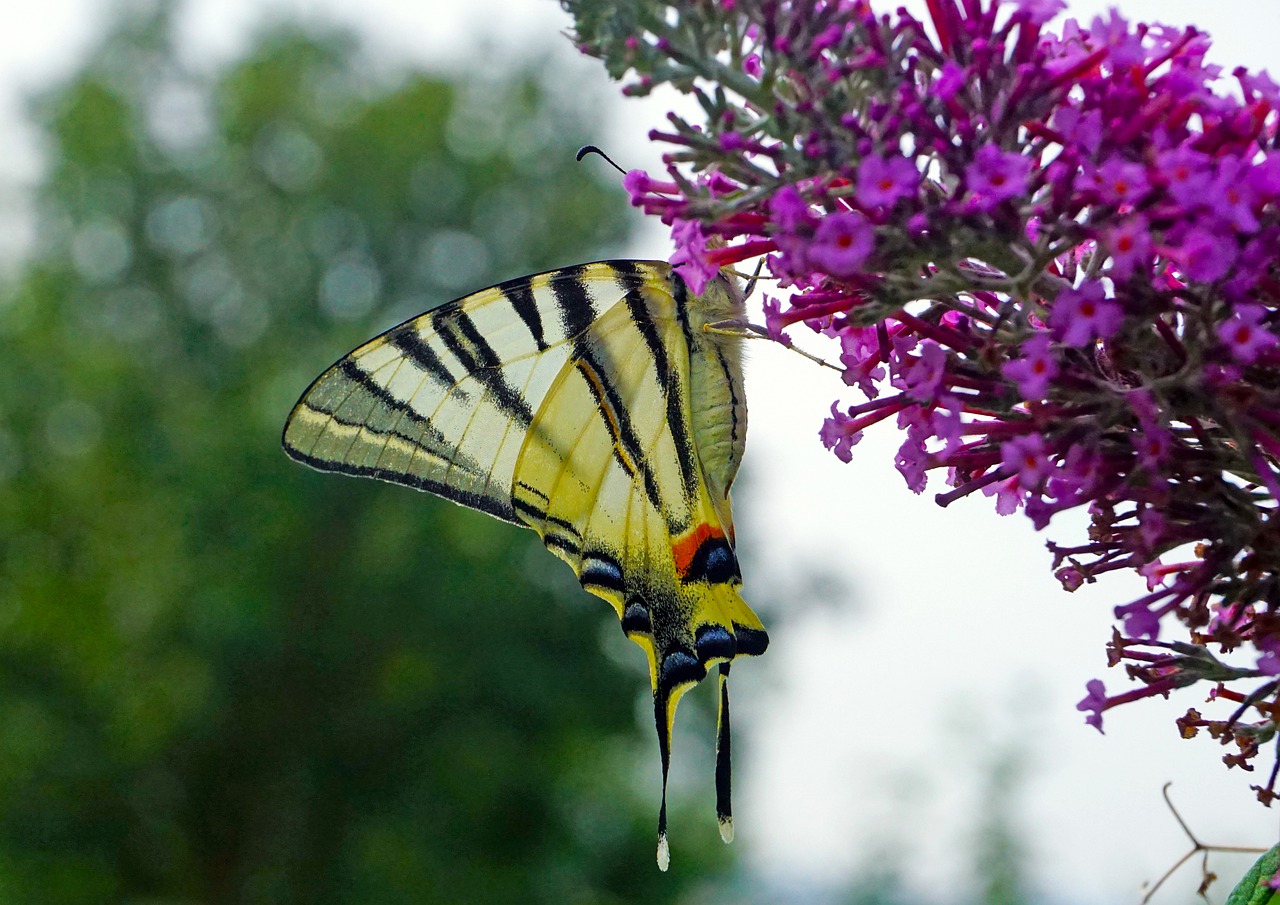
{"x": 590, "y": 404}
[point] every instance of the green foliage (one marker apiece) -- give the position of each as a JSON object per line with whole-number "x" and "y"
{"x": 1255, "y": 888}
{"x": 224, "y": 677}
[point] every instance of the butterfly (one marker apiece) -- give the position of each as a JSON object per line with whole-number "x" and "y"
{"x": 600, "y": 405}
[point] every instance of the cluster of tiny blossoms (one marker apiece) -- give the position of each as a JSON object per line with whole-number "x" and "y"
{"x": 1049, "y": 254}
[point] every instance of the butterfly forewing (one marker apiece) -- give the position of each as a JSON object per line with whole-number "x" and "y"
{"x": 442, "y": 402}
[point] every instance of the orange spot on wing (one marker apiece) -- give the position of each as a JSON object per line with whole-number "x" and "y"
{"x": 687, "y": 547}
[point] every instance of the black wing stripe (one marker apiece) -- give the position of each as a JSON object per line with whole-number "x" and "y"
{"x": 368, "y": 427}
{"x": 429, "y": 444}
{"x": 407, "y": 339}
{"x": 616, "y": 416}
{"x": 481, "y": 362}
{"x": 539, "y": 510}
{"x": 492, "y": 505}
{"x": 673, "y": 389}
{"x": 612, "y": 418}
{"x": 577, "y": 312}
{"x": 519, "y": 294}
{"x": 553, "y": 541}
{"x": 351, "y": 369}
{"x": 735, "y": 403}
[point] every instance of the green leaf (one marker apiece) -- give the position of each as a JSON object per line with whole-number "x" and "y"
{"x": 1253, "y": 889}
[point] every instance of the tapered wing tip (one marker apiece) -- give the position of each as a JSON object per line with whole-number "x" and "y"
{"x": 726, "y": 829}
{"x": 664, "y": 853}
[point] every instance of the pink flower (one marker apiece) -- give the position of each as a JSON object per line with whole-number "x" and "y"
{"x": 1129, "y": 242}
{"x": 1140, "y": 621}
{"x": 640, "y": 184}
{"x": 1033, "y": 372}
{"x": 1084, "y": 127}
{"x": 883, "y": 181}
{"x": 1077, "y": 473}
{"x": 996, "y": 176}
{"x": 1264, "y": 178}
{"x": 1125, "y": 45}
{"x": 789, "y": 211}
{"x": 828, "y": 38}
{"x": 1244, "y": 333}
{"x": 1231, "y": 194}
{"x": 912, "y": 462}
{"x": 1074, "y": 304}
{"x": 860, "y": 355}
{"x": 1206, "y": 255}
{"x": 1070, "y": 577}
{"x": 922, "y": 378}
{"x": 1039, "y": 12}
{"x": 1153, "y": 445}
{"x": 1269, "y": 660}
{"x": 1094, "y": 703}
{"x": 1120, "y": 182}
{"x": 1188, "y": 174}
{"x": 838, "y": 434}
{"x": 1008, "y": 494}
{"x": 1083, "y": 314}
{"x": 841, "y": 243}
{"x": 690, "y": 257}
{"x": 951, "y": 78}
{"x": 1027, "y": 458}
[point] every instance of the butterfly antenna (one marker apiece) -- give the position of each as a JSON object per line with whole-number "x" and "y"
{"x": 592, "y": 149}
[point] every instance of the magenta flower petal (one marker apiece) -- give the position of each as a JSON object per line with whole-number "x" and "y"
{"x": 1094, "y": 702}
{"x": 1035, "y": 370}
{"x": 690, "y": 258}
{"x": 996, "y": 176}
{"x": 1245, "y": 335}
{"x": 1083, "y": 314}
{"x": 883, "y": 181}
{"x": 841, "y": 243}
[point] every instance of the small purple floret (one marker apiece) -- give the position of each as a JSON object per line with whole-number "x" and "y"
{"x": 1094, "y": 702}
{"x": 996, "y": 176}
{"x": 841, "y": 243}
{"x": 1083, "y": 314}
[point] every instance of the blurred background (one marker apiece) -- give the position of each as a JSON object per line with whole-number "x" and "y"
{"x": 225, "y": 678}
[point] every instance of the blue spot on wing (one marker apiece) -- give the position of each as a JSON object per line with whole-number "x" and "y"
{"x": 714, "y": 642}
{"x": 679, "y": 667}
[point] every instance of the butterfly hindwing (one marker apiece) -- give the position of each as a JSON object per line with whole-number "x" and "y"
{"x": 593, "y": 405}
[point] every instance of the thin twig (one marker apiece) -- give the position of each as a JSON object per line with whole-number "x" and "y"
{"x": 1197, "y": 847}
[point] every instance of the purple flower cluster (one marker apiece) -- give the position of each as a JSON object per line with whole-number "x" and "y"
{"x": 1050, "y": 256}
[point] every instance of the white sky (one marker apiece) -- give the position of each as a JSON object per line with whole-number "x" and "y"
{"x": 868, "y": 717}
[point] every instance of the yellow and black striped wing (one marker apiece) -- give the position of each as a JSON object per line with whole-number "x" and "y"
{"x": 592, "y": 405}
{"x": 443, "y": 401}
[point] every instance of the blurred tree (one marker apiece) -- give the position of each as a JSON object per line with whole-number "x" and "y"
{"x": 224, "y": 678}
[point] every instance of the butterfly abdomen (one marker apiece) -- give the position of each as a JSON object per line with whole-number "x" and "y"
{"x": 717, "y": 398}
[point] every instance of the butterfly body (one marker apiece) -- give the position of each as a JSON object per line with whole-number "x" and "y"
{"x": 594, "y": 404}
